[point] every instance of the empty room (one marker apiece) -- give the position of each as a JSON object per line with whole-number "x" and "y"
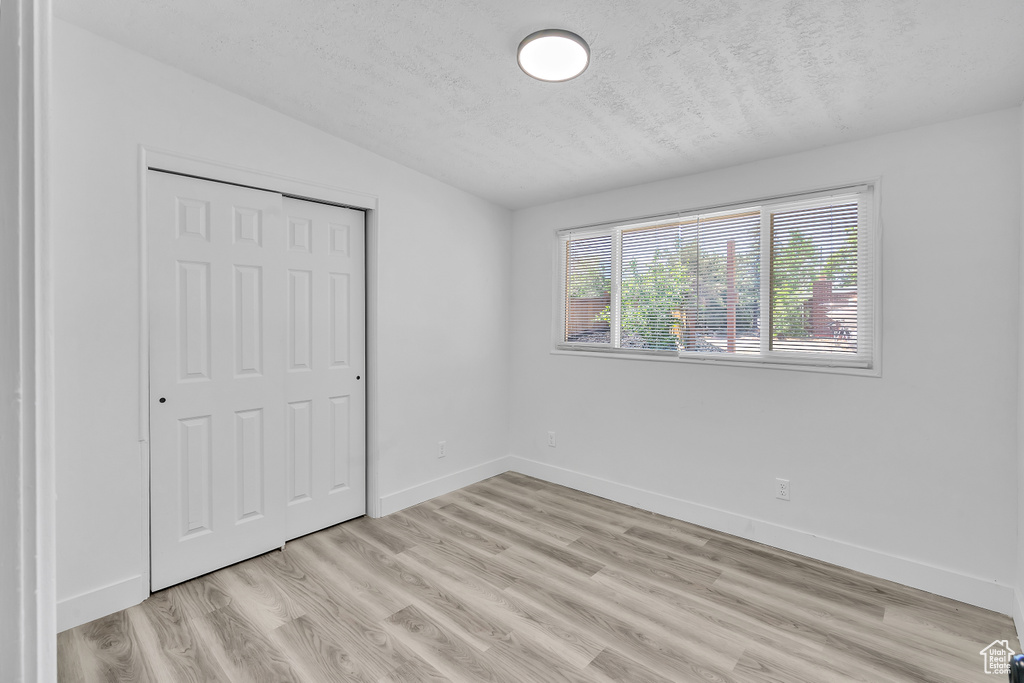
{"x": 466, "y": 341}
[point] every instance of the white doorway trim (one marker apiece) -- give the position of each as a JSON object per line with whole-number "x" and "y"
{"x": 28, "y": 630}
{"x": 156, "y": 159}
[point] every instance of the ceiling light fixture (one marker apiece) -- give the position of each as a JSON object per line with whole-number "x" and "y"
{"x": 553, "y": 55}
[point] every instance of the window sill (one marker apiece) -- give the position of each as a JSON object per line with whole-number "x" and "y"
{"x": 709, "y": 359}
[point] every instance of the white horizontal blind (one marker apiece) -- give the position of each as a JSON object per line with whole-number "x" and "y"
{"x": 729, "y": 284}
{"x": 658, "y": 278}
{"x": 588, "y": 281}
{"x": 815, "y": 298}
{"x": 691, "y": 285}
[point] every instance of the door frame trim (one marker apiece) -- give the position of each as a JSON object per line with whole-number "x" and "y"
{"x": 29, "y": 643}
{"x": 151, "y": 158}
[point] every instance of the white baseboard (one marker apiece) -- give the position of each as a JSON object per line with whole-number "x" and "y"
{"x": 83, "y": 608}
{"x": 965, "y": 588}
{"x": 1018, "y": 613}
{"x": 414, "y": 495}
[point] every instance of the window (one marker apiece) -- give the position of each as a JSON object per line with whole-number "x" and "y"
{"x": 787, "y": 281}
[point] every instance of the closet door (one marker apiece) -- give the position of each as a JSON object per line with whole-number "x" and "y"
{"x": 326, "y": 356}
{"x": 217, "y": 303}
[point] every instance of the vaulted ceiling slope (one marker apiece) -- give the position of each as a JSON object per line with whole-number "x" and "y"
{"x": 674, "y": 87}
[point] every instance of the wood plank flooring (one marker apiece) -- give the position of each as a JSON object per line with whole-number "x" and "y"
{"x": 518, "y": 580}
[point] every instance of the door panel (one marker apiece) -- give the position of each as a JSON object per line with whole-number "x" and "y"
{"x": 216, "y": 282}
{"x": 326, "y": 453}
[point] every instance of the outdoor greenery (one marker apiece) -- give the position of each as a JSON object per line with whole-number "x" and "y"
{"x": 679, "y": 295}
{"x": 653, "y": 297}
{"x": 590, "y": 278}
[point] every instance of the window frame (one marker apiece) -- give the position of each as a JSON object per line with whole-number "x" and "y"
{"x": 868, "y": 271}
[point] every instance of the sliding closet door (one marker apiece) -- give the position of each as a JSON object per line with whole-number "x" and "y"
{"x": 326, "y": 330}
{"x": 257, "y": 358}
{"x": 217, "y": 411}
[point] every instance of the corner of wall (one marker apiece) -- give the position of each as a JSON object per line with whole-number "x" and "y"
{"x": 414, "y": 495}
{"x": 1017, "y": 612}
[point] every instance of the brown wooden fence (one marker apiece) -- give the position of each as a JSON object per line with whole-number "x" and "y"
{"x": 583, "y": 313}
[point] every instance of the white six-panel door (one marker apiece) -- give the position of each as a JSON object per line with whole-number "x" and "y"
{"x": 325, "y": 442}
{"x": 256, "y": 310}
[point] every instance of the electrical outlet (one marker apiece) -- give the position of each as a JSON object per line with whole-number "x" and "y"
{"x": 442, "y": 449}
{"x": 782, "y": 489}
{"x": 551, "y": 440}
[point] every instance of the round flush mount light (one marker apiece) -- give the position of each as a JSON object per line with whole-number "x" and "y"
{"x": 553, "y": 55}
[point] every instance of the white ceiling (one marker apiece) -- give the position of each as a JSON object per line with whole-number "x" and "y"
{"x": 674, "y": 87}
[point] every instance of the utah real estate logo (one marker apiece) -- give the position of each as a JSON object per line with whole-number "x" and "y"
{"x": 997, "y": 657}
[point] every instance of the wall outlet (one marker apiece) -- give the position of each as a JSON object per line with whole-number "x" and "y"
{"x": 782, "y": 489}
{"x": 442, "y": 449}
{"x": 551, "y": 440}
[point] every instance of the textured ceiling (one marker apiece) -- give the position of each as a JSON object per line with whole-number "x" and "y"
{"x": 673, "y": 87}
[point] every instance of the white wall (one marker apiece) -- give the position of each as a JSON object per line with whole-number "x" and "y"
{"x": 444, "y": 274}
{"x": 909, "y": 476}
{"x": 10, "y": 361}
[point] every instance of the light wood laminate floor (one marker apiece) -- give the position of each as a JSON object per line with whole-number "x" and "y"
{"x": 517, "y": 580}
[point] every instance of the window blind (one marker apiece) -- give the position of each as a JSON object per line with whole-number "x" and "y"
{"x": 658, "y": 277}
{"x": 729, "y": 284}
{"x": 790, "y": 281}
{"x": 588, "y": 279}
{"x": 814, "y": 284}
